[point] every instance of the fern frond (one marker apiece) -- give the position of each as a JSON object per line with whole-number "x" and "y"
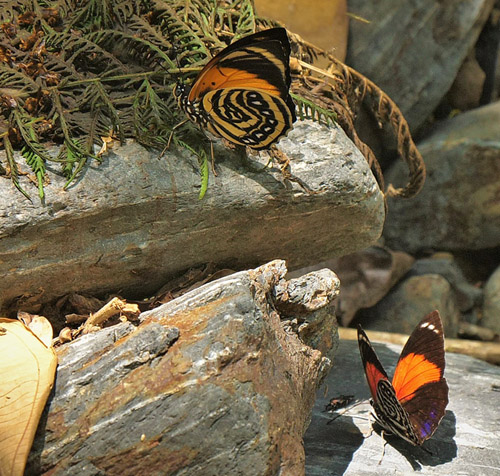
{"x": 73, "y": 47}
{"x": 202, "y": 157}
{"x": 14, "y": 79}
{"x": 152, "y": 116}
{"x": 14, "y": 172}
{"x": 8, "y": 10}
{"x": 93, "y": 14}
{"x": 100, "y": 102}
{"x": 246, "y": 21}
{"x": 309, "y": 110}
{"x": 171, "y": 23}
{"x": 203, "y": 162}
{"x": 24, "y": 124}
{"x": 37, "y": 165}
{"x": 130, "y": 45}
{"x": 73, "y": 153}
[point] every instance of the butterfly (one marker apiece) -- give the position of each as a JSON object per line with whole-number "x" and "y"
{"x": 414, "y": 404}
{"x": 242, "y": 94}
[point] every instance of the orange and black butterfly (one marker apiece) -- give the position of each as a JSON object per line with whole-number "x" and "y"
{"x": 242, "y": 94}
{"x": 414, "y": 404}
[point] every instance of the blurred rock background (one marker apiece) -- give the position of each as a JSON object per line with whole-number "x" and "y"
{"x": 440, "y": 62}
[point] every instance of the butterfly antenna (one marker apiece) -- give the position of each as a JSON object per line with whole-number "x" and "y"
{"x": 348, "y": 409}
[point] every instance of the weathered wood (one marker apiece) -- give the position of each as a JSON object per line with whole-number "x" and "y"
{"x": 487, "y": 351}
{"x": 206, "y": 384}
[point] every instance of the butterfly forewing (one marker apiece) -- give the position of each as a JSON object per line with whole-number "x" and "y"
{"x": 418, "y": 378}
{"x": 373, "y": 368}
{"x": 258, "y": 61}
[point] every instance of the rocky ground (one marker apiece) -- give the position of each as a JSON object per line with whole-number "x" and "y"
{"x": 466, "y": 441}
{"x": 221, "y": 380}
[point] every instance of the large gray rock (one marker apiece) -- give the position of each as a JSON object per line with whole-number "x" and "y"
{"x": 466, "y": 295}
{"x": 457, "y": 208}
{"x": 136, "y": 220}
{"x": 491, "y": 308}
{"x": 211, "y": 383}
{"x": 411, "y": 299}
{"x": 413, "y": 49}
{"x": 466, "y": 442}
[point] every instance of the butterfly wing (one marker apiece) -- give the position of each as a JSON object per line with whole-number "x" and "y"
{"x": 242, "y": 94}
{"x": 389, "y": 412}
{"x": 373, "y": 368}
{"x": 252, "y": 118}
{"x": 259, "y": 61}
{"x": 418, "y": 378}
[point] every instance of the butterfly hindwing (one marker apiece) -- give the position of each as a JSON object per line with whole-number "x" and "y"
{"x": 250, "y": 118}
{"x": 427, "y": 408}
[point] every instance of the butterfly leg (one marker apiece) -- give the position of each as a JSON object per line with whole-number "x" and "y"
{"x": 172, "y": 135}
{"x": 284, "y": 162}
{"x": 382, "y": 434}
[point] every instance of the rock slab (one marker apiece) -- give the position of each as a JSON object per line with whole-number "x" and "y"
{"x": 135, "y": 221}
{"x": 210, "y": 383}
{"x": 466, "y": 442}
{"x": 458, "y": 207}
{"x": 413, "y": 49}
{"x": 491, "y": 309}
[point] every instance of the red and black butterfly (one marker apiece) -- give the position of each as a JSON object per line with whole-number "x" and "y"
{"x": 242, "y": 94}
{"x": 414, "y": 404}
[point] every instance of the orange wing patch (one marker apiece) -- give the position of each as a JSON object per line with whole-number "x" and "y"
{"x": 218, "y": 78}
{"x": 373, "y": 376}
{"x": 411, "y": 373}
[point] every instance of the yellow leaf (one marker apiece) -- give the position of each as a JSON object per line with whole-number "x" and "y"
{"x": 39, "y": 325}
{"x": 27, "y": 372}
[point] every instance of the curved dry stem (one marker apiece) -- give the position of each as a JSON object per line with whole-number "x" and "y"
{"x": 344, "y": 90}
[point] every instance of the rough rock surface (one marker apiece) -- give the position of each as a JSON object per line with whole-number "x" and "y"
{"x": 491, "y": 308}
{"x": 458, "y": 207}
{"x": 466, "y": 295}
{"x": 414, "y": 49}
{"x": 409, "y": 301}
{"x": 136, "y": 220}
{"x": 210, "y": 383}
{"x": 465, "y": 443}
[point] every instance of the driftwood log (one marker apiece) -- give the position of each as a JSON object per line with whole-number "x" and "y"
{"x": 221, "y": 380}
{"x": 487, "y": 351}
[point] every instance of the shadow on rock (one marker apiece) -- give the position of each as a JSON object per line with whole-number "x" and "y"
{"x": 440, "y": 449}
{"x": 333, "y": 444}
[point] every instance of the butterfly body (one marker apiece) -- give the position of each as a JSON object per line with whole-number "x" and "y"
{"x": 413, "y": 405}
{"x": 242, "y": 94}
